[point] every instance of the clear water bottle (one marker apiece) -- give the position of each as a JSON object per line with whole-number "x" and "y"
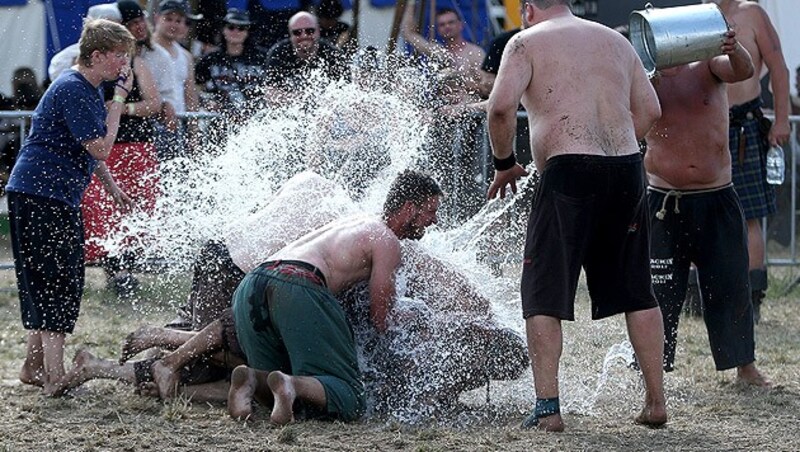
{"x": 776, "y": 165}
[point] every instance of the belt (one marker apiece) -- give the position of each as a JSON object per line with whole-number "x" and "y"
{"x": 737, "y": 114}
{"x": 297, "y": 268}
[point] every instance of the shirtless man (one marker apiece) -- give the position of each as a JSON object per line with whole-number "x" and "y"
{"x": 589, "y": 210}
{"x": 749, "y": 138}
{"x": 298, "y": 344}
{"x": 695, "y": 214}
{"x": 457, "y": 53}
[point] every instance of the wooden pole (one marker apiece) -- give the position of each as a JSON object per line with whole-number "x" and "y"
{"x": 354, "y": 32}
{"x": 399, "y": 11}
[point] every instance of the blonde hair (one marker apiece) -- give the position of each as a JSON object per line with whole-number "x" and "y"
{"x": 104, "y": 36}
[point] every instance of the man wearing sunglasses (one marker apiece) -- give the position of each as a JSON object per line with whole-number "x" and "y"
{"x": 229, "y": 78}
{"x": 291, "y": 60}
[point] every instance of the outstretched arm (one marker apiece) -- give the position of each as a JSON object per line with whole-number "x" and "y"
{"x": 385, "y": 260}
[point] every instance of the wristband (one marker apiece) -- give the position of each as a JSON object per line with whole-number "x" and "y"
{"x": 118, "y": 98}
{"x": 131, "y": 109}
{"x": 123, "y": 88}
{"x": 504, "y": 164}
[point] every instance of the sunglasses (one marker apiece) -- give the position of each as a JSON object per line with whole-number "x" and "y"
{"x": 237, "y": 27}
{"x": 301, "y": 31}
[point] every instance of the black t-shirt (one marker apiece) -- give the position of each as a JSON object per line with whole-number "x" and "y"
{"x": 491, "y": 63}
{"x": 286, "y": 70}
{"x": 232, "y": 80}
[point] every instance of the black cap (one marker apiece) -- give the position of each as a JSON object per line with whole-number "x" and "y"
{"x": 178, "y": 6}
{"x": 129, "y": 10}
{"x": 236, "y": 16}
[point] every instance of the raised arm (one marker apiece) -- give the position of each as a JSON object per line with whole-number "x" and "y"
{"x": 100, "y": 148}
{"x": 735, "y": 64}
{"x": 420, "y": 44}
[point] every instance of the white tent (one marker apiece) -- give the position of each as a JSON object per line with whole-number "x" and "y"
{"x": 22, "y": 41}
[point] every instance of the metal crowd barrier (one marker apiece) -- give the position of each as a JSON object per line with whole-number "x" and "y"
{"x": 782, "y": 246}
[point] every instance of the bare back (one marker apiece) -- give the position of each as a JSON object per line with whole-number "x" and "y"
{"x": 586, "y": 91}
{"x": 687, "y": 148}
{"x": 348, "y": 251}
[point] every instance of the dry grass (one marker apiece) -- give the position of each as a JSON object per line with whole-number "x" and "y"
{"x": 708, "y": 411}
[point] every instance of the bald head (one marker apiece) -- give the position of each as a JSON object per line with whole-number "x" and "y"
{"x": 304, "y": 34}
{"x": 303, "y": 19}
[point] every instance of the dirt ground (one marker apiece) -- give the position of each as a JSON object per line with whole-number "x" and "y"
{"x": 600, "y": 395}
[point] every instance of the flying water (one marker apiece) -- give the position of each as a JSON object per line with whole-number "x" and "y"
{"x": 443, "y": 347}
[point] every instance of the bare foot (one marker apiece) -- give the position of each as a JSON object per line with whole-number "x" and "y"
{"x": 138, "y": 341}
{"x": 552, "y": 423}
{"x": 31, "y": 376}
{"x": 652, "y": 416}
{"x": 78, "y": 375}
{"x": 749, "y": 375}
{"x": 166, "y": 379}
{"x": 240, "y": 396}
{"x": 147, "y": 389}
{"x": 283, "y": 391}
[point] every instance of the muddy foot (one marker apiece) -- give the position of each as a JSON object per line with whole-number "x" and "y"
{"x": 283, "y": 391}
{"x": 78, "y": 375}
{"x": 31, "y": 376}
{"x": 749, "y": 375}
{"x": 240, "y": 396}
{"x": 166, "y": 379}
{"x": 138, "y": 341}
{"x": 652, "y": 417}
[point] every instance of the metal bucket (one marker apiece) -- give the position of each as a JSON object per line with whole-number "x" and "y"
{"x": 665, "y": 37}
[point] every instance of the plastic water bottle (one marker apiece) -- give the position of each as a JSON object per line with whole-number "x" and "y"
{"x": 776, "y": 165}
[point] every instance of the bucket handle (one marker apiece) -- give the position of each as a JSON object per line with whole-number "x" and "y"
{"x": 649, "y": 5}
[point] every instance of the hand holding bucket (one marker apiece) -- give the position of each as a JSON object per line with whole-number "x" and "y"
{"x": 666, "y": 37}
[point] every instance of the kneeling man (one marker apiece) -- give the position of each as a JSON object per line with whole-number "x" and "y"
{"x": 293, "y": 331}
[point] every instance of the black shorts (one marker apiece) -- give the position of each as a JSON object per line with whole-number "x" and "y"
{"x": 707, "y": 228}
{"x": 589, "y": 211}
{"x": 47, "y": 241}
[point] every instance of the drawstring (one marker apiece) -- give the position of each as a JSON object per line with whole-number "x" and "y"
{"x": 663, "y": 212}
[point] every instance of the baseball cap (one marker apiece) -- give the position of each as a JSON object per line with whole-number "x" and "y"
{"x": 178, "y": 6}
{"x": 130, "y": 10}
{"x": 236, "y": 16}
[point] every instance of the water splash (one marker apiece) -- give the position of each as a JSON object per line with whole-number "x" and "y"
{"x": 360, "y": 134}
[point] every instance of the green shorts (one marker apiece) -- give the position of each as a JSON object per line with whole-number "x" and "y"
{"x": 287, "y": 322}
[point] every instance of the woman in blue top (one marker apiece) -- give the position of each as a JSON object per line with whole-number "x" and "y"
{"x": 71, "y": 135}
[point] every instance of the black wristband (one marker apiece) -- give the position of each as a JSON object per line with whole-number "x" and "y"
{"x": 504, "y": 164}
{"x": 123, "y": 88}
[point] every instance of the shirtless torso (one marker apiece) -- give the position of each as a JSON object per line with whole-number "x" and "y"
{"x": 347, "y": 251}
{"x": 567, "y": 115}
{"x": 681, "y": 154}
{"x": 756, "y": 33}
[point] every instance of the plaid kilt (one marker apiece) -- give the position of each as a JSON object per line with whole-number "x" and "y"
{"x": 750, "y": 175}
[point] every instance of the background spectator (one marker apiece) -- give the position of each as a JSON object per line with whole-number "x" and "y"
{"x": 455, "y": 52}
{"x": 331, "y": 28}
{"x": 289, "y": 61}
{"x": 132, "y": 163}
{"x": 230, "y": 78}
